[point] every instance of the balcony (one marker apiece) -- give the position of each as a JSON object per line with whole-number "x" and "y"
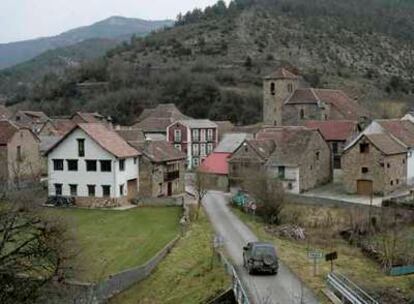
{"x": 170, "y": 176}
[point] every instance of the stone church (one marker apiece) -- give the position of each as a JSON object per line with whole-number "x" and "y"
{"x": 287, "y": 102}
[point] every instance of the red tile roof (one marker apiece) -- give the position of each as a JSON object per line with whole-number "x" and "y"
{"x": 386, "y": 144}
{"x": 337, "y": 99}
{"x": 90, "y": 117}
{"x": 216, "y": 163}
{"x": 158, "y": 151}
{"x": 63, "y": 125}
{"x": 7, "y": 130}
{"x": 106, "y": 138}
{"x": 282, "y": 73}
{"x": 401, "y": 129}
{"x": 334, "y": 130}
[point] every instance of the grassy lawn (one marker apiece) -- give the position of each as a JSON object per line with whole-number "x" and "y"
{"x": 112, "y": 241}
{"x": 351, "y": 261}
{"x": 184, "y": 276}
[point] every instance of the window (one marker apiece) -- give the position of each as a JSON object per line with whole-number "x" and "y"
{"x": 203, "y": 135}
{"x": 210, "y": 135}
{"x": 19, "y": 157}
{"x": 317, "y": 155}
{"x": 398, "y": 181}
{"x": 272, "y": 88}
{"x": 58, "y": 189}
{"x": 209, "y": 148}
{"x": 91, "y": 165}
{"x": 364, "y": 148}
{"x": 196, "y": 162}
{"x": 392, "y": 183}
{"x": 121, "y": 190}
{"x": 177, "y": 146}
{"x": 81, "y": 147}
{"x": 18, "y": 118}
{"x": 196, "y": 135}
{"x": 364, "y": 170}
{"x": 325, "y": 116}
{"x": 72, "y": 165}
{"x": 177, "y": 135}
{"x": 290, "y": 186}
{"x": 403, "y": 161}
{"x": 91, "y": 190}
{"x": 388, "y": 165}
{"x": 122, "y": 165}
{"x": 196, "y": 149}
{"x": 290, "y": 88}
{"x": 281, "y": 172}
{"x": 135, "y": 160}
{"x": 302, "y": 114}
{"x": 203, "y": 149}
{"x": 335, "y": 147}
{"x": 73, "y": 190}
{"x": 106, "y": 191}
{"x": 106, "y": 166}
{"x": 58, "y": 164}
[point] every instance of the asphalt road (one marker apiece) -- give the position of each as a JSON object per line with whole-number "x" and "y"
{"x": 284, "y": 288}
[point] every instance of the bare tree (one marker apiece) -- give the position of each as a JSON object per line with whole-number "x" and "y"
{"x": 267, "y": 192}
{"x": 34, "y": 249}
{"x": 200, "y": 187}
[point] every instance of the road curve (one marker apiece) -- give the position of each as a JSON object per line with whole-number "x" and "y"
{"x": 285, "y": 288}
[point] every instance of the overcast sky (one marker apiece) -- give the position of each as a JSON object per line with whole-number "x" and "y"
{"x": 26, "y": 19}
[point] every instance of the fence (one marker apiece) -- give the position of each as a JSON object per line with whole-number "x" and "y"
{"x": 347, "y": 291}
{"x": 240, "y": 293}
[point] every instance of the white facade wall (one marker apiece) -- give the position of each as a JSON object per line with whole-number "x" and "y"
{"x": 410, "y": 167}
{"x": 68, "y": 149}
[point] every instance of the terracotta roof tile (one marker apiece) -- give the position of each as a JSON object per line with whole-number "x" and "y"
{"x": 334, "y": 130}
{"x": 108, "y": 139}
{"x": 135, "y": 135}
{"x": 401, "y": 129}
{"x": 158, "y": 151}
{"x": 63, "y": 125}
{"x": 161, "y": 114}
{"x": 386, "y": 144}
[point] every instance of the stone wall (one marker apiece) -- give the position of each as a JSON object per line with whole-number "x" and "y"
{"x": 101, "y": 202}
{"x": 388, "y": 173}
{"x": 313, "y": 171}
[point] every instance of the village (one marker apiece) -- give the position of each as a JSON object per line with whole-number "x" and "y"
{"x": 317, "y": 144}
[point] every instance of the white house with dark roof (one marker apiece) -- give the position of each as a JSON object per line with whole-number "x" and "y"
{"x": 195, "y": 137}
{"x": 94, "y": 165}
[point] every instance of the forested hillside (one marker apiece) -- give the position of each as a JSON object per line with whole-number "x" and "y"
{"x": 212, "y": 62}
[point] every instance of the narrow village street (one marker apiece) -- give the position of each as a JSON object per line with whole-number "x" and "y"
{"x": 284, "y": 288}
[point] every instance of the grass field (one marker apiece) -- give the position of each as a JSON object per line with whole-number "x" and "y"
{"x": 184, "y": 276}
{"x": 351, "y": 262}
{"x": 112, "y": 241}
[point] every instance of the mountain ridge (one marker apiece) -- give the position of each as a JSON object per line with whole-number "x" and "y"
{"x": 17, "y": 52}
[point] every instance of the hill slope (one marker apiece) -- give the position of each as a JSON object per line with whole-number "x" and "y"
{"x": 212, "y": 62}
{"x": 111, "y": 28}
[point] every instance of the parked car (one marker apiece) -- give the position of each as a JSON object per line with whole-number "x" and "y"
{"x": 261, "y": 257}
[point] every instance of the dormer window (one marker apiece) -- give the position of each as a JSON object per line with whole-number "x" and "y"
{"x": 272, "y": 88}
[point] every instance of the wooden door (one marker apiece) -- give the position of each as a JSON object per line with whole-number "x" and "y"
{"x": 132, "y": 189}
{"x": 364, "y": 187}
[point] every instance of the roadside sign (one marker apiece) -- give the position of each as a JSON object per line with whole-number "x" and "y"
{"x": 315, "y": 255}
{"x": 331, "y": 256}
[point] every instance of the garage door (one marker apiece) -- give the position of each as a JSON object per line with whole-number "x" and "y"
{"x": 364, "y": 187}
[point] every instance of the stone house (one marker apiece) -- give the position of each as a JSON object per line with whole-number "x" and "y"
{"x": 30, "y": 119}
{"x": 57, "y": 127}
{"x": 197, "y": 138}
{"x": 403, "y": 132}
{"x": 19, "y": 154}
{"x": 337, "y": 133}
{"x": 374, "y": 164}
{"x": 299, "y": 157}
{"x": 288, "y": 102}
{"x": 162, "y": 169}
{"x": 94, "y": 165}
{"x": 154, "y": 122}
{"x": 215, "y": 167}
